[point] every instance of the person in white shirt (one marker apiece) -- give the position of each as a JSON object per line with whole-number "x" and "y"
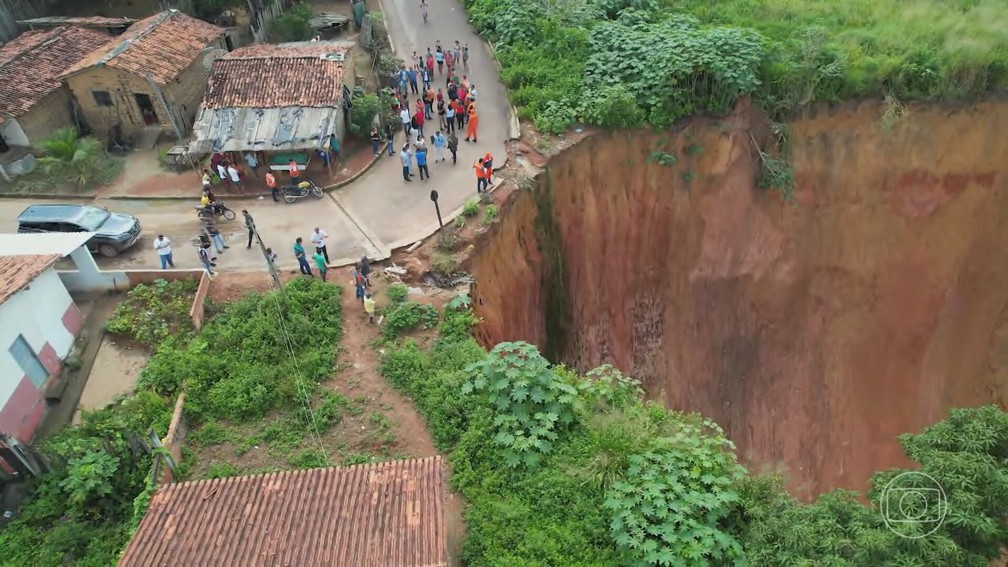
{"x": 222, "y": 173}
{"x": 318, "y": 238}
{"x": 232, "y": 172}
{"x": 163, "y": 247}
{"x": 406, "y": 119}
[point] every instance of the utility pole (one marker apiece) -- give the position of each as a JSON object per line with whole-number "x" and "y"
{"x": 270, "y": 264}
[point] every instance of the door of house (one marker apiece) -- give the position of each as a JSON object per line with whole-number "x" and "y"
{"x": 146, "y": 108}
{"x": 28, "y": 361}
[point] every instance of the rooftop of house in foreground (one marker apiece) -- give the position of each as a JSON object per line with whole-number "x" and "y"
{"x": 161, "y": 46}
{"x": 387, "y": 514}
{"x": 305, "y": 73}
{"x": 17, "y": 272}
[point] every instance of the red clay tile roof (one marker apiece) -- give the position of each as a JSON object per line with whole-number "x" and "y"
{"x": 385, "y": 515}
{"x": 277, "y": 76}
{"x": 31, "y": 64}
{"x": 16, "y": 272}
{"x": 161, "y": 45}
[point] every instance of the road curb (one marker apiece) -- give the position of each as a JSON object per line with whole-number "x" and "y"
{"x": 52, "y": 196}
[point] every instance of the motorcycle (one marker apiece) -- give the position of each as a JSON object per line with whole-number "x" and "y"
{"x": 219, "y": 210}
{"x": 292, "y": 193}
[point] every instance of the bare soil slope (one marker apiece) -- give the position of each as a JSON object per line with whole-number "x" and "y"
{"x": 814, "y": 332}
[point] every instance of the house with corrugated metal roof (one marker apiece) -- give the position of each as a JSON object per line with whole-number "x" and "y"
{"x": 34, "y": 102}
{"x": 149, "y": 80}
{"x": 389, "y": 514}
{"x": 285, "y": 100}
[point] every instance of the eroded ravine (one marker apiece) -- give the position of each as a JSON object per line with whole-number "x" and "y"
{"x": 814, "y": 332}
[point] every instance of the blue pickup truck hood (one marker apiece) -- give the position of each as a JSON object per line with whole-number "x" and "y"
{"x": 117, "y": 225}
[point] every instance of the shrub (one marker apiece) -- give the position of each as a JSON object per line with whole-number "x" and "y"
{"x": 151, "y": 313}
{"x": 406, "y": 316}
{"x": 66, "y": 150}
{"x": 444, "y": 264}
{"x": 293, "y": 24}
{"x": 362, "y": 113}
{"x": 531, "y": 403}
{"x": 470, "y": 208}
{"x": 458, "y": 319}
{"x": 490, "y": 214}
{"x": 397, "y": 292}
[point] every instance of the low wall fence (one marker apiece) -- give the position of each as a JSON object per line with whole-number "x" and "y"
{"x": 196, "y": 312}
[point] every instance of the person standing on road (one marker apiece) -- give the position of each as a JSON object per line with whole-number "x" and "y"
{"x": 453, "y": 146}
{"x": 406, "y": 119}
{"x": 320, "y": 263}
{"x": 302, "y": 258}
{"x": 421, "y": 162}
{"x": 375, "y": 140}
{"x": 449, "y": 117}
{"x": 419, "y": 119}
{"x": 465, "y": 57}
{"x": 319, "y": 240}
{"x": 473, "y": 123}
{"x": 204, "y": 256}
{"x": 440, "y": 143}
{"x": 430, "y": 62}
{"x": 250, "y": 225}
{"x": 426, "y": 78}
{"x": 390, "y": 139}
{"x": 481, "y": 182}
{"x": 460, "y": 116}
{"x": 222, "y": 173}
{"x": 271, "y": 184}
{"x": 439, "y": 58}
{"x": 369, "y": 307}
{"x": 232, "y": 172}
{"x": 411, "y": 76}
{"x": 358, "y": 280}
{"x": 163, "y": 247}
{"x": 405, "y": 157}
{"x": 215, "y": 236}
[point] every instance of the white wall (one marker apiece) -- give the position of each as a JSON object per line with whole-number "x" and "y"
{"x": 13, "y": 133}
{"x": 37, "y": 313}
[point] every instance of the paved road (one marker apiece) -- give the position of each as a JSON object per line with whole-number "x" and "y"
{"x": 371, "y": 216}
{"x": 398, "y": 212}
{"x": 278, "y": 223}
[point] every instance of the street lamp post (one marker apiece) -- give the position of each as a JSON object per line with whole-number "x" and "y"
{"x": 437, "y": 209}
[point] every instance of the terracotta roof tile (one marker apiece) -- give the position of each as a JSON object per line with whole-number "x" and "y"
{"x": 31, "y": 64}
{"x": 16, "y": 272}
{"x": 387, "y": 514}
{"x": 162, "y": 45}
{"x": 276, "y": 76}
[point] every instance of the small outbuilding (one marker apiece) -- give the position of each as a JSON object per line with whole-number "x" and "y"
{"x": 286, "y": 100}
{"x": 389, "y": 514}
{"x": 150, "y": 79}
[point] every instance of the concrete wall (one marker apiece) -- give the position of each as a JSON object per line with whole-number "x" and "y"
{"x": 49, "y": 320}
{"x": 49, "y": 115}
{"x": 196, "y": 312}
{"x": 14, "y": 133}
{"x": 183, "y": 93}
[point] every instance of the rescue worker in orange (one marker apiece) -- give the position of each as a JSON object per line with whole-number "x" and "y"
{"x": 487, "y": 168}
{"x": 473, "y": 122}
{"x": 481, "y": 180}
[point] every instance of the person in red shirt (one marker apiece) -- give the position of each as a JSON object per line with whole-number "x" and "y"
{"x": 430, "y": 62}
{"x": 459, "y": 115}
{"x": 294, "y": 171}
{"x": 419, "y": 117}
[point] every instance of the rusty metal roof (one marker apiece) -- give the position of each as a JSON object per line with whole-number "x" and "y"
{"x": 162, "y": 46}
{"x": 307, "y": 73}
{"x": 17, "y": 272}
{"x": 387, "y": 514}
{"x": 31, "y": 64}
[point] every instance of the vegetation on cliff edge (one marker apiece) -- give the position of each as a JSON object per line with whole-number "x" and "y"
{"x": 620, "y": 63}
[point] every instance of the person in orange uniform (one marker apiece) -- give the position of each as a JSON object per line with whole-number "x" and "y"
{"x": 481, "y": 181}
{"x": 488, "y": 168}
{"x": 294, "y": 171}
{"x": 473, "y": 123}
{"x": 271, "y": 183}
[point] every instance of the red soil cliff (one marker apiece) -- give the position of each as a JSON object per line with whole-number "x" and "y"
{"x": 815, "y": 331}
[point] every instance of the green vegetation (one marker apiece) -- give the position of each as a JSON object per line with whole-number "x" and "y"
{"x": 407, "y": 315}
{"x": 489, "y": 214}
{"x": 580, "y": 471}
{"x": 237, "y": 367}
{"x": 397, "y": 292}
{"x": 153, "y": 313}
{"x": 70, "y": 163}
{"x": 471, "y": 207}
{"x": 293, "y": 24}
{"x": 83, "y": 513}
{"x": 616, "y": 70}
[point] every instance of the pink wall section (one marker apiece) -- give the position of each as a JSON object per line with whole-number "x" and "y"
{"x": 23, "y": 411}
{"x": 72, "y": 319}
{"x": 48, "y": 357}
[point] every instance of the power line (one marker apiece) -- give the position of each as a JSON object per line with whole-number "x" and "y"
{"x": 289, "y": 342}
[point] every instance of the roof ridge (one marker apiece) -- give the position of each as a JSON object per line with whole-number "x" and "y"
{"x": 45, "y": 37}
{"x": 155, "y": 22}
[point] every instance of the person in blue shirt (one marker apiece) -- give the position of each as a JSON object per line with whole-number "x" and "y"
{"x": 412, "y": 75}
{"x": 440, "y": 143}
{"x": 421, "y": 161}
{"x": 299, "y": 253}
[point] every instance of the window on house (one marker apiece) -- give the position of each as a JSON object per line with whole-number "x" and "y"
{"x": 102, "y": 98}
{"x": 28, "y": 361}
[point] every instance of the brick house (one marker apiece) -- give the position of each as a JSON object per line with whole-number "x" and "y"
{"x": 286, "y": 100}
{"x": 33, "y": 100}
{"x": 113, "y": 85}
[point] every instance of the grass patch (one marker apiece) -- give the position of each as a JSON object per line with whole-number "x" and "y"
{"x": 63, "y": 179}
{"x": 151, "y": 313}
